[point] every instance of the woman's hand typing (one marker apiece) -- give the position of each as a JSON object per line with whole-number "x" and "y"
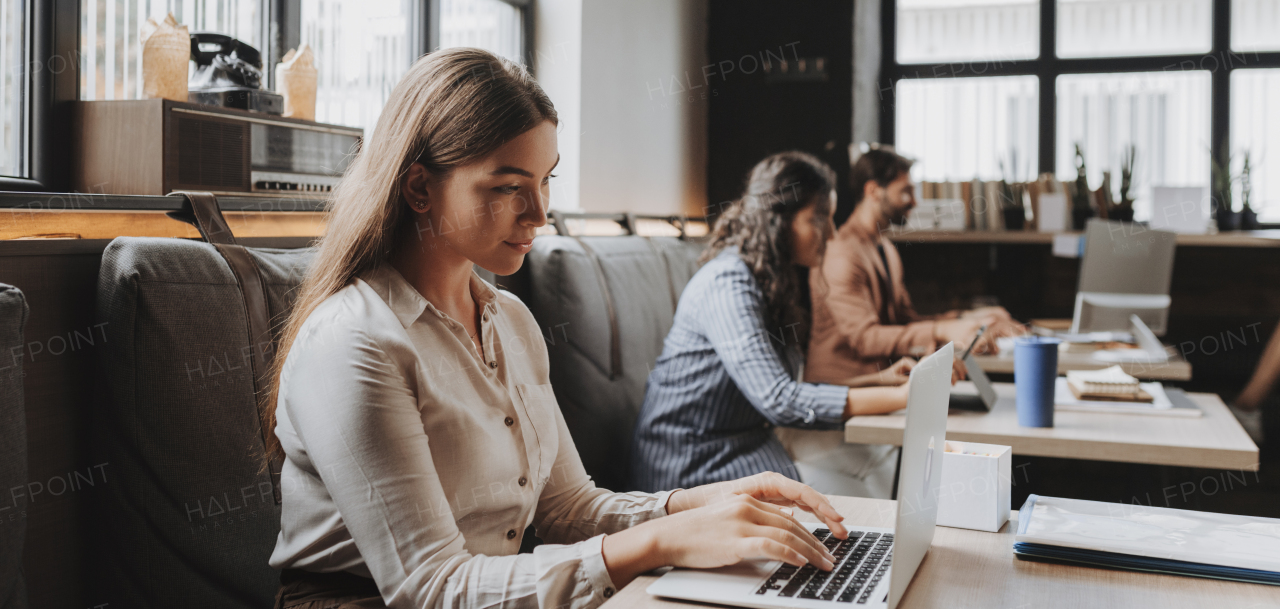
{"x": 725, "y": 523}
{"x": 769, "y": 487}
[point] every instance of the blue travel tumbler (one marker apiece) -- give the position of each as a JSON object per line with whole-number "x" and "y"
{"x": 1035, "y": 372}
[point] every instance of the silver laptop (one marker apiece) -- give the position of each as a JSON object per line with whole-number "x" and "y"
{"x": 985, "y": 397}
{"x": 874, "y": 565}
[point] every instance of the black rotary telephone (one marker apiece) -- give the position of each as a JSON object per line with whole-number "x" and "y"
{"x": 229, "y": 74}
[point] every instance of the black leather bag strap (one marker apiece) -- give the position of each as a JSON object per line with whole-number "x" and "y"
{"x": 200, "y": 209}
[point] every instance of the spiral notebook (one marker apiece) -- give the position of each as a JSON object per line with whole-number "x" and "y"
{"x": 1147, "y": 538}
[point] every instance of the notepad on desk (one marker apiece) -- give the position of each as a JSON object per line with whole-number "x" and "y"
{"x": 1147, "y": 538}
{"x": 1109, "y": 383}
{"x": 1170, "y": 402}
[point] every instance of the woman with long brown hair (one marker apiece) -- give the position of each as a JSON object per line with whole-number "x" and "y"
{"x": 412, "y": 404}
{"x": 730, "y": 367}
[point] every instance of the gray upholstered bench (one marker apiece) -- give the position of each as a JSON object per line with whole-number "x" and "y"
{"x": 191, "y": 516}
{"x": 13, "y": 448}
{"x": 605, "y": 305}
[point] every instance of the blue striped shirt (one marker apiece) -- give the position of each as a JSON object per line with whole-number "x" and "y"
{"x": 724, "y": 379}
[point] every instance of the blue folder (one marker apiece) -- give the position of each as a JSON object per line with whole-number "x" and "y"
{"x": 1099, "y": 558}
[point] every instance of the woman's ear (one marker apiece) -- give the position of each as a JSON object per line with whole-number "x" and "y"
{"x": 415, "y": 187}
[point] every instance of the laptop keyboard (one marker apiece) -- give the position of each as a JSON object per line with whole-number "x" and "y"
{"x": 861, "y": 562}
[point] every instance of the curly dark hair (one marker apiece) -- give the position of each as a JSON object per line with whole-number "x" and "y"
{"x": 759, "y": 225}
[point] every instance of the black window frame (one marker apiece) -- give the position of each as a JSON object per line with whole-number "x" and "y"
{"x": 38, "y": 61}
{"x": 430, "y": 24}
{"x": 1220, "y": 61}
{"x": 53, "y": 44}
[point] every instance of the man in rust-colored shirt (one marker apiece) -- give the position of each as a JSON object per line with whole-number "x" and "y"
{"x": 863, "y": 319}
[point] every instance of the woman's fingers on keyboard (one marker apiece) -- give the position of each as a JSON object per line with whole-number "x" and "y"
{"x": 778, "y": 489}
{"x": 772, "y": 516}
{"x": 763, "y": 547}
{"x": 797, "y": 543}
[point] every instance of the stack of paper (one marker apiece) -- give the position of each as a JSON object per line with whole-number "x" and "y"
{"x": 1155, "y": 539}
{"x": 1113, "y": 380}
{"x": 1165, "y": 402}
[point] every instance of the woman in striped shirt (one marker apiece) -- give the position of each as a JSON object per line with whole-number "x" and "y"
{"x": 729, "y": 369}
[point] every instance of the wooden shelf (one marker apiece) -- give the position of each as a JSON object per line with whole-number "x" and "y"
{"x": 45, "y": 224}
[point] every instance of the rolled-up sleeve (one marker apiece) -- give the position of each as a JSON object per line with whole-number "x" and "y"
{"x": 733, "y": 317}
{"x": 357, "y": 417}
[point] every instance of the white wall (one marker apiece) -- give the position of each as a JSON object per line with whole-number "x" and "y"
{"x": 632, "y": 137}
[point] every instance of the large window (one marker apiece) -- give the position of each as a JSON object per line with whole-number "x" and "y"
{"x": 1164, "y": 116}
{"x": 110, "y": 60}
{"x": 363, "y": 47}
{"x": 55, "y": 51}
{"x": 14, "y": 89}
{"x": 1255, "y": 25}
{"x": 1117, "y": 28}
{"x": 493, "y": 25}
{"x": 1255, "y": 130}
{"x": 999, "y": 88}
{"x": 965, "y": 30}
{"x": 965, "y": 128}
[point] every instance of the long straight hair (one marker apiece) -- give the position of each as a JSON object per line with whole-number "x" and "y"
{"x": 759, "y": 225}
{"x": 452, "y": 107}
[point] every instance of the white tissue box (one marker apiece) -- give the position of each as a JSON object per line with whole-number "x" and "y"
{"x": 976, "y": 484}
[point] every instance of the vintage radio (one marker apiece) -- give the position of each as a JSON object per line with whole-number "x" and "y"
{"x": 154, "y": 147}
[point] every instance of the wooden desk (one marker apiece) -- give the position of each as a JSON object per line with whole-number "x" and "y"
{"x": 974, "y": 569}
{"x": 1176, "y": 369}
{"x": 1215, "y": 440}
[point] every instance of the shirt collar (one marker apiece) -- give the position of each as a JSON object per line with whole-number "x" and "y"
{"x": 405, "y": 301}
{"x": 853, "y": 228}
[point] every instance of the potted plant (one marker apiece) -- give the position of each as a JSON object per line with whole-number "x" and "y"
{"x": 1221, "y": 180}
{"x": 1248, "y": 217}
{"x": 1011, "y": 206}
{"x": 1081, "y": 206}
{"x": 1123, "y": 210}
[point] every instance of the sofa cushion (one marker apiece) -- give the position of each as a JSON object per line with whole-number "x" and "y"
{"x": 13, "y": 448}
{"x": 190, "y": 518}
{"x": 605, "y": 305}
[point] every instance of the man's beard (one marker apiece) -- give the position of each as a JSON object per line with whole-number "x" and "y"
{"x": 899, "y": 217}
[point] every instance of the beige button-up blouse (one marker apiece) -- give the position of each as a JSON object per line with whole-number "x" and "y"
{"x": 413, "y": 460}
